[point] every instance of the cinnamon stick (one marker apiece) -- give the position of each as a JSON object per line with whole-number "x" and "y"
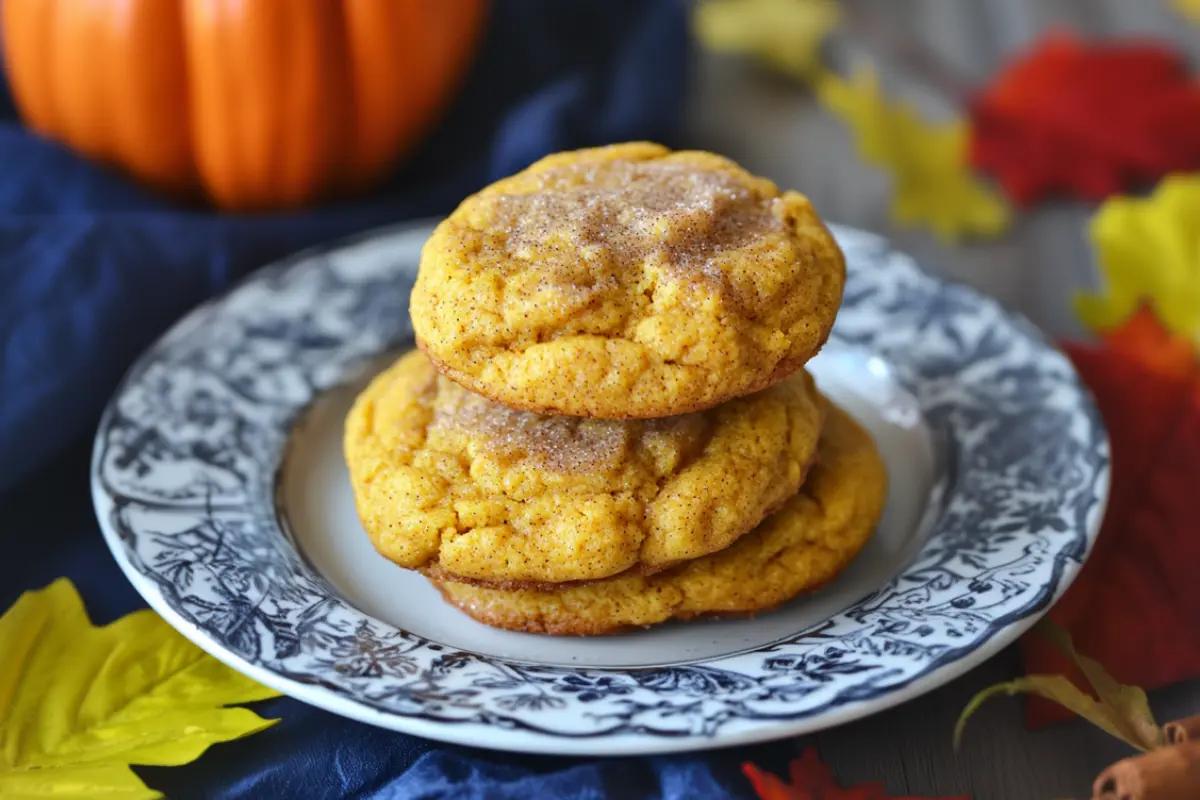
{"x": 1169, "y": 773}
{"x": 1182, "y": 730}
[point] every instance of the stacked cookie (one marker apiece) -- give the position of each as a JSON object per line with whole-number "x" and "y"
{"x": 608, "y": 423}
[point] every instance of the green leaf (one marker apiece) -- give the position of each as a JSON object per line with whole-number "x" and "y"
{"x": 1121, "y": 711}
{"x": 1129, "y": 704}
{"x": 1051, "y": 687}
{"x": 79, "y": 704}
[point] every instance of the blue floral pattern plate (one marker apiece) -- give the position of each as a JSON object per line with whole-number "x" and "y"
{"x": 218, "y": 481}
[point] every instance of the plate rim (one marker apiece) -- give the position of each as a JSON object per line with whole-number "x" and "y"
{"x": 622, "y": 745}
{"x": 951, "y": 664}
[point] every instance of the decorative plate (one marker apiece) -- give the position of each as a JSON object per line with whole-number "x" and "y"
{"x": 219, "y": 484}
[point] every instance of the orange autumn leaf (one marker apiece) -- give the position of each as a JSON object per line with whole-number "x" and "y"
{"x": 1144, "y": 339}
{"x": 810, "y": 779}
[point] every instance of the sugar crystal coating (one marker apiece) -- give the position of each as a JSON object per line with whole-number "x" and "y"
{"x": 448, "y": 479}
{"x": 626, "y": 282}
{"x": 666, "y": 212}
{"x": 559, "y": 444}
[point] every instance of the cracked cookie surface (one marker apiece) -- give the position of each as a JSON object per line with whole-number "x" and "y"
{"x": 626, "y": 281}
{"x": 449, "y": 480}
{"x": 799, "y": 549}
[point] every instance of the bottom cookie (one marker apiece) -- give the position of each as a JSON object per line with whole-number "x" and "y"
{"x": 800, "y": 548}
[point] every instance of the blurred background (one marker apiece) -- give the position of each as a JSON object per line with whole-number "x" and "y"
{"x": 307, "y": 120}
{"x": 919, "y": 47}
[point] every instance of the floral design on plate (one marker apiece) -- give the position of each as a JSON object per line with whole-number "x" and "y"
{"x": 189, "y": 453}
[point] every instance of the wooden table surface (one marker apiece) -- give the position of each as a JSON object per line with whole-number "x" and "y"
{"x": 776, "y": 129}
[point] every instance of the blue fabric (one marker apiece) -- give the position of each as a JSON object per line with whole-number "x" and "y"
{"x": 94, "y": 268}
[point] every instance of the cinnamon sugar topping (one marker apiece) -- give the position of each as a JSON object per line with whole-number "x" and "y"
{"x": 561, "y": 444}
{"x": 628, "y": 211}
{"x": 558, "y": 443}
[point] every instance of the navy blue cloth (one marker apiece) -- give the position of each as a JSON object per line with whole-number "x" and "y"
{"x": 94, "y": 268}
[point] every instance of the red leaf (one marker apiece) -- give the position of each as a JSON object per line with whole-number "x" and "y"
{"x": 1135, "y": 604}
{"x": 812, "y": 780}
{"x": 1087, "y": 120}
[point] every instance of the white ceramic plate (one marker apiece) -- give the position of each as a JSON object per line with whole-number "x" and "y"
{"x": 219, "y": 483}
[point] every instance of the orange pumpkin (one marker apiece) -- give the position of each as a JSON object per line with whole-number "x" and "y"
{"x": 256, "y": 103}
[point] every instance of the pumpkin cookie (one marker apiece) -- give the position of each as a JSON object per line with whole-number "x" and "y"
{"x": 626, "y": 282}
{"x": 798, "y": 549}
{"x": 449, "y": 480}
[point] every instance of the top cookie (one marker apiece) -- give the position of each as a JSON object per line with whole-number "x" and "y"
{"x": 626, "y": 282}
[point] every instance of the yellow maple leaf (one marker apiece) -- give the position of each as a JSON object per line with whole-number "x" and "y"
{"x": 79, "y": 704}
{"x": 933, "y": 184}
{"x": 1188, "y": 8}
{"x": 1148, "y": 251}
{"x": 785, "y": 35}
